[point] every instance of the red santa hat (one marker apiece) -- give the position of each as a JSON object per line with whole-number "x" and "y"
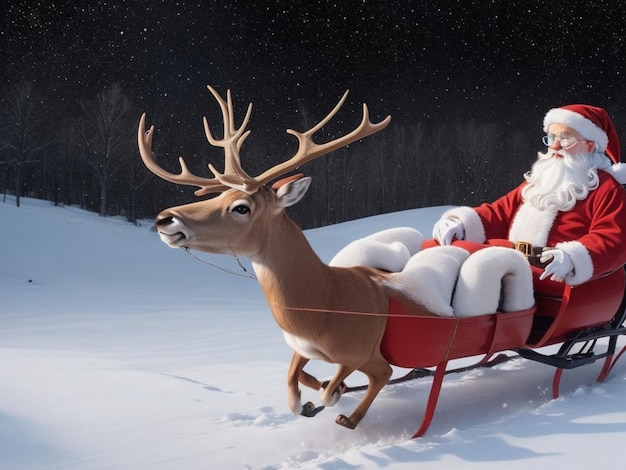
{"x": 595, "y": 124}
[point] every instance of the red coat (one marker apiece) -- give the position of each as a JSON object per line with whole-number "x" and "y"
{"x": 593, "y": 233}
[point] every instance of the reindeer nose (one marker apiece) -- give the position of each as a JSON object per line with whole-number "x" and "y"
{"x": 171, "y": 230}
{"x": 164, "y": 221}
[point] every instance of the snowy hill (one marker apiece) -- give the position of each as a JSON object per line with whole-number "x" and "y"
{"x": 118, "y": 352}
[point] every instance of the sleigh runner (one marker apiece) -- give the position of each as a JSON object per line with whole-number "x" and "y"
{"x": 335, "y": 312}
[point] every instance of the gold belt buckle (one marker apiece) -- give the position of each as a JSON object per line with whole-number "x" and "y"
{"x": 524, "y": 247}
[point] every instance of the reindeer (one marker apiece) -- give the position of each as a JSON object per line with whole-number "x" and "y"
{"x": 331, "y": 313}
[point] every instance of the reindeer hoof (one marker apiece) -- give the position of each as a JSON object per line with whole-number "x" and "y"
{"x": 309, "y": 410}
{"x": 340, "y": 390}
{"x": 345, "y": 422}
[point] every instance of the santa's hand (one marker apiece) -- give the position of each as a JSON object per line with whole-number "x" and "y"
{"x": 560, "y": 267}
{"x": 446, "y": 230}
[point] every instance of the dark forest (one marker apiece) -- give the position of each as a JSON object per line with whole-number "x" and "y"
{"x": 466, "y": 82}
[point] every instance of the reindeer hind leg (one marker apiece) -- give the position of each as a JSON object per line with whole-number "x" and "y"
{"x": 378, "y": 372}
{"x": 333, "y": 390}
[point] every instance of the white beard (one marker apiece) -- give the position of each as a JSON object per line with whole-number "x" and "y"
{"x": 556, "y": 184}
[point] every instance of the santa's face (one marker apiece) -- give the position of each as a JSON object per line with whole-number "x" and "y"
{"x": 569, "y": 140}
{"x": 565, "y": 173}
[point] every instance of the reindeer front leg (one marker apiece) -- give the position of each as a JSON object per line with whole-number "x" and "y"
{"x": 295, "y": 376}
{"x": 308, "y": 380}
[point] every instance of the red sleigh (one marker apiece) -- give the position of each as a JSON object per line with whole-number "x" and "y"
{"x": 575, "y": 317}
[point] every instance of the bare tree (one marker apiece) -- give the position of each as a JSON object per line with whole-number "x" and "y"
{"x": 476, "y": 159}
{"x": 438, "y": 168}
{"x": 107, "y": 136}
{"x": 21, "y": 135}
{"x": 64, "y": 178}
{"x": 404, "y": 150}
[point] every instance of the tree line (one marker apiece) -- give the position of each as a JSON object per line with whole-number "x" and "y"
{"x": 88, "y": 157}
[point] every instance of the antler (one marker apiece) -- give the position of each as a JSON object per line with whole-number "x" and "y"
{"x": 207, "y": 185}
{"x": 309, "y": 150}
{"x": 234, "y": 176}
{"x": 231, "y": 143}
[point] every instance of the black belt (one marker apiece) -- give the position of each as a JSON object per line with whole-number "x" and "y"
{"x": 532, "y": 253}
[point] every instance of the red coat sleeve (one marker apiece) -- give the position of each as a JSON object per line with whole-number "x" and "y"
{"x": 498, "y": 215}
{"x": 598, "y": 223}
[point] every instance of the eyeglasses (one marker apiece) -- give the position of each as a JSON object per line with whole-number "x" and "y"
{"x": 565, "y": 140}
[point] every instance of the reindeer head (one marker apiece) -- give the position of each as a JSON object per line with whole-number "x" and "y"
{"x": 240, "y": 218}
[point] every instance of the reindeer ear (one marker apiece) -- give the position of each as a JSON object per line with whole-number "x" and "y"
{"x": 292, "y": 191}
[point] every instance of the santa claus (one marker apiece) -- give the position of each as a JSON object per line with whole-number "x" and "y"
{"x": 569, "y": 215}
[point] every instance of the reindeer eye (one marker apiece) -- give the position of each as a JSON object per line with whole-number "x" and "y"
{"x": 240, "y": 206}
{"x": 241, "y": 209}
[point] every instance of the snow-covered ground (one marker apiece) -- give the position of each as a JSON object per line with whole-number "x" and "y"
{"x": 118, "y": 352}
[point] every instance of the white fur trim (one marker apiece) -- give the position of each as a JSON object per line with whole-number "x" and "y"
{"x": 409, "y": 237}
{"x": 583, "y": 264}
{"x": 490, "y": 274}
{"x": 430, "y": 276}
{"x": 531, "y": 225}
{"x": 472, "y": 224}
{"x": 585, "y": 127}
{"x": 618, "y": 171}
{"x": 373, "y": 253}
{"x": 388, "y": 249}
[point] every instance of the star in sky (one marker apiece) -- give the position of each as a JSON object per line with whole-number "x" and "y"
{"x": 420, "y": 58}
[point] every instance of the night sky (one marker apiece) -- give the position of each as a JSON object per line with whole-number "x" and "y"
{"x": 432, "y": 61}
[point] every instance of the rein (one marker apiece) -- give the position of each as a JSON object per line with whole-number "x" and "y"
{"x": 357, "y": 313}
{"x": 245, "y": 274}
